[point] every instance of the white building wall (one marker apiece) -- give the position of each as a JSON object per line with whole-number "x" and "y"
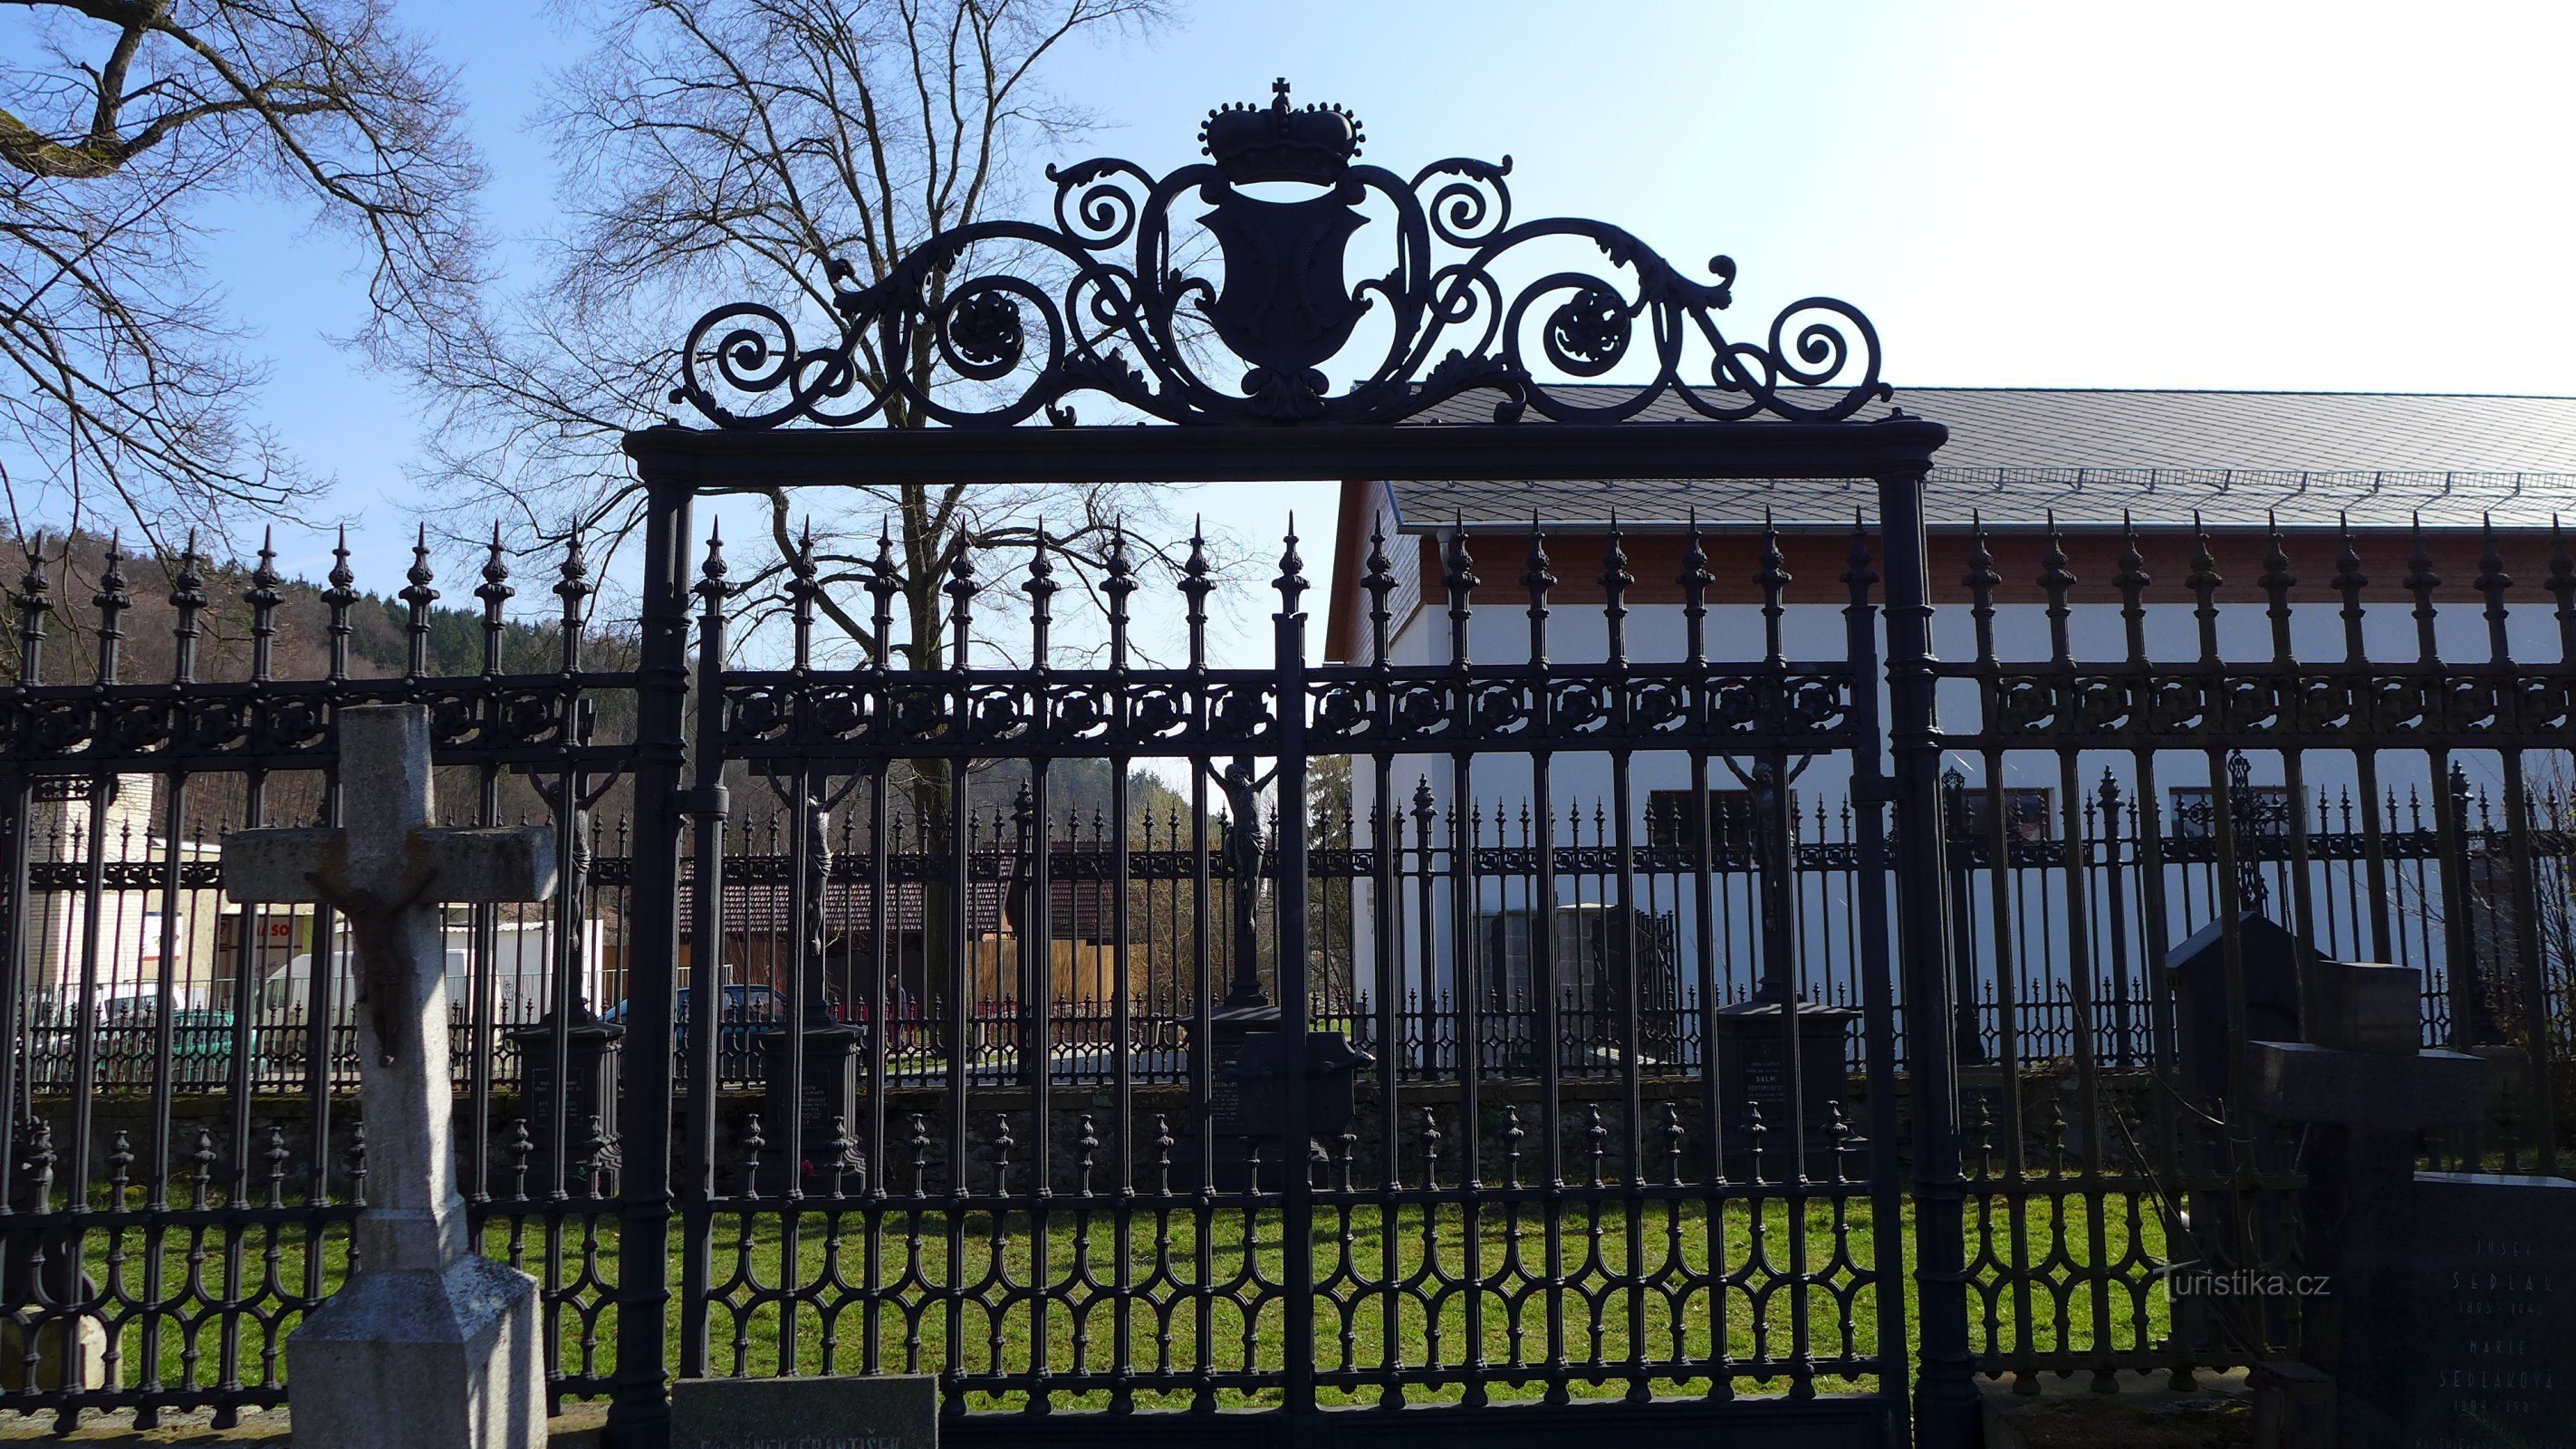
{"x": 1815, "y": 632}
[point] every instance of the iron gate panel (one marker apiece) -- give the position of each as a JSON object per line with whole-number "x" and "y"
{"x": 1145, "y": 1284}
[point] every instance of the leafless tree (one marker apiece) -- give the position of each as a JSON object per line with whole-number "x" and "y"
{"x": 126, "y": 383}
{"x": 725, "y": 149}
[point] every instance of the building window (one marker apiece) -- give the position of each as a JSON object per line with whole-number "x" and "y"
{"x": 2029, "y": 813}
{"x": 2262, "y": 810}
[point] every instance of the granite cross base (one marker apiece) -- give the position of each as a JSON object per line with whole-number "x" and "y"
{"x": 415, "y": 1358}
{"x": 428, "y": 1345}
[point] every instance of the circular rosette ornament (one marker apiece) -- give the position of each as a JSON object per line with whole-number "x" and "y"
{"x": 1588, "y": 333}
{"x": 982, "y": 339}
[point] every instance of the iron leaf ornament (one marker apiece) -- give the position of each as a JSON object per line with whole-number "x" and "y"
{"x": 1121, "y": 316}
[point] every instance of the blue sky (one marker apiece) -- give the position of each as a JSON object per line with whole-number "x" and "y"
{"x": 2086, "y": 194}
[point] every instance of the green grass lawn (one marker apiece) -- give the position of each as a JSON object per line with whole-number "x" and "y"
{"x": 1649, "y": 1290}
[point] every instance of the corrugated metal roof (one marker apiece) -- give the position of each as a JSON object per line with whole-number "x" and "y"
{"x": 2016, "y": 453}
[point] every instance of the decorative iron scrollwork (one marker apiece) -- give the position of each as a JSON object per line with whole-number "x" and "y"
{"x": 2387, "y": 702}
{"x": 1123, "y": 312}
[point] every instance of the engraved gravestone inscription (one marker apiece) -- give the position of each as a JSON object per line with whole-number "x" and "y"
{"x": 2492, "y": 1313}
{"x": 877, "y": 1411}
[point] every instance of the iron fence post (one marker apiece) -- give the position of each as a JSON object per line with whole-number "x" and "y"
{"x": 1297, "y": 1247}
{"x": 1945, "y": 1405}
{"x": 709, "y": 808}
{"x": 639, "y": 1413}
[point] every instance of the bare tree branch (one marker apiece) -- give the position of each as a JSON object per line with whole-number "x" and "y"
{"x": 124, "y": 385}
{"x": 727, "y": 148}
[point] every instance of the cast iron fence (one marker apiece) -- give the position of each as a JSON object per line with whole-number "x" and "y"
{"x": 1485, "y": 1034}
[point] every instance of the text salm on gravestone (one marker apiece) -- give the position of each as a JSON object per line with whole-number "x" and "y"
{"x": 877, "y": 1411}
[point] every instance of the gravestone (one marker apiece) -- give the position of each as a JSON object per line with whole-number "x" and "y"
{"x": 1247, "y": 1106}
{"x": 878, "y": 1411}
{"x": 590, "y": 1065}
{"x": 1753, "y": 1070}
{"x": 821, "y": 1150}
{"x": 2418, "y": 1277}
{"x": 2196, "y": 972}
{"x": 428, "y": 1345}
{"x": 2488, "y": 1339}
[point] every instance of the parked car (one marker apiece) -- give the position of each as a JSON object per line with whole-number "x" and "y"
{"x": 747, "y": 1010}
{"x": 201, "y": 1045}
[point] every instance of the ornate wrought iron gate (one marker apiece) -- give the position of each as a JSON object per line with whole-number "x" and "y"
{"x": 1675, "y": 1243}
{"x": 1599, "y": 1239}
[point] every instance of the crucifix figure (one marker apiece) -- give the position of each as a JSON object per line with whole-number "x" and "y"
{"x": 428, "y": 1343}
{"x": 1243, "y": 849}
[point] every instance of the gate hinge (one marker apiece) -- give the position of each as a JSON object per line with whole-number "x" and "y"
{"x": 1873, "y": 789}
{"x": 707, "y": 802}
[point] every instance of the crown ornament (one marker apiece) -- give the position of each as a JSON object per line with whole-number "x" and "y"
{"x": 1276, "y": 143}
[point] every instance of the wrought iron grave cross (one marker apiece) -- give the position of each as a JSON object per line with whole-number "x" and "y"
{"x": 429, "y": 1343}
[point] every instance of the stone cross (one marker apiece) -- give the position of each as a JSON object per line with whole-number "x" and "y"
{"x": 428, "y": 1343}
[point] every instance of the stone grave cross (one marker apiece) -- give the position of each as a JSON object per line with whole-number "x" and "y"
{"x": 428, "y": 1343}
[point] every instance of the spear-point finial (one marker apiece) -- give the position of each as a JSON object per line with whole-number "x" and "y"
{"x": 2054, "y": 561}
{"x": 1120, "y": 570}
{"x": 112, "y": 598}
{"x": 885, "y": 580}
{"x": 187, "y": 598}
{"x": 495, "y": 589}
{"x": 1195, "y": 571}
{"x": 1040, "y": 588}
{"x": 1377, "y": 580}
{"x": 1535, "y": 576}
{"x": 572, "y": 585}
{"x": 2349, "y": 580}
{"x": 1857, "y": 573}
{"x": 263, "y": 595}
{"x": 419, "y": 595}
{"x": 1981, "y": 578}
{"x": 2420, "y": 578}
{"x": 2276, "y": 578}
{"x": 2562, "y": 565}
{"x": 2131, "y": 577}
{"x": 34, "y": 600}
{"x": 264, "y": 581}
{"x": 1458, "y": 567}
{"x": 338, "y": 598}
{"x": 2492, "y": 579}
{"x": 188, "y": 586}
{"x": 960, "y": 589}
{"x": 1291, "y": 582}
{"x": 1195, "y": 585}
{"x": 2204, "y": 577}
{"x": 1041, "y": 568}
{"x": 1695, "y": 576}
{"x": 712, "y": 571}
{"x": 1614, "y": 559}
